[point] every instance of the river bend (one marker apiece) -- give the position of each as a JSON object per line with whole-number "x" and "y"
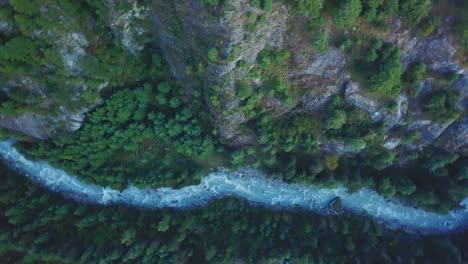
{"x": 247, "y": 184}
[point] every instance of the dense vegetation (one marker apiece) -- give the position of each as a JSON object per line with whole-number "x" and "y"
{"x": 43, "y": 62}
{"x": 157, "y": 135}
{"x": 146, "y": 130}
{"x": 38, "y": 227}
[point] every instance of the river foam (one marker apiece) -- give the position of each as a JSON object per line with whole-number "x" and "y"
{"x": 247, "y": 184}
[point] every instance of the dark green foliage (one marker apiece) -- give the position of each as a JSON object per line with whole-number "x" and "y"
{"x": 132, "y": 129}
{"x": 244, "y": 89}
{"x": 213, "y": 54}
{"x": 391, "y": 7}
{"x": 337, "y": 118}
{"x": 28, "y": 7}
{"x": 370, "y": 8}
{"x": 310, "y": 8}
{"x": 345, "y": 45}
{"x": 386, "y": 188}
{"x": 347, "y": 14}
{"x": 381, "y": 158}
{"x": 387, "y": 80}
{"x": 267, "y": 5}
{"x": 412, "y": 77}
{"x": 32, "y": 51}
{"x": 350, "y": 125}
{"x": 11, "y": 108}
{"x": 210, "y": 2}
{"x": 437, "y": 162}
{"x": 321, "y": 41}
{"x": 461, "y": 20}
{"x": 441, "y": 105}
{"x": 255, "y": 3}
{"x": 38, "y": 227}
{"x": 413, "y": 11}
{"x": 21, "y": 50}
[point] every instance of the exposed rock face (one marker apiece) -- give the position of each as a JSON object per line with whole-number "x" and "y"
{"x": 185, "y": 32}
{"x": 186, "y": 42}
{"x": 435, "y": 51}
{"x": 431, "y": 130}
{"x": 71, "y": 48}
{"x": 339, "y": 147}
{"x": 327, "y": 65}
{"x": 4, "y": 26}
{"x": 461, "y": 86}
{"x": 27, "y": 124}
{"x": 323, "y": 75}
{"x": 455, "y": 138}
{"x": 127, "y": 25}
{"x": 354, "y": 97}
{"x": 43, "y": 127}
{"x": 392, "y": 143}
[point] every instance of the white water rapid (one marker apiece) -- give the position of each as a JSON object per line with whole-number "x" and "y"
{"x": 250, "y": 185}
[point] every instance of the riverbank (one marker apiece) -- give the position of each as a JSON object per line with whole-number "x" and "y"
{"x": 247, "y": 184}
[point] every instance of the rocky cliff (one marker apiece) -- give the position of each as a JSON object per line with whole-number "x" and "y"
{"x": 187, "y": 30}
{"x": 213, "y": 50}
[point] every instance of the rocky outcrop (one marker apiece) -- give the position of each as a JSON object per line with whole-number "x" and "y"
{"x": 68, "y": 45}
{"x": 339, "y": 147}
{"x": 353, "y": 96}
{"x": 185, "y": 44}
{"x": 435, "y": 51}
{"x": 430, "y": 130}
{"x": 461, "y": 86}
{"x": 322, "y": 75}
{"x": 455, "y": 138}
{"x": 41, "y": 127}
{"x": 186, "y": 31}
{"x": 28, "y": 124}
{"x": 71, "y": 47}
{"x": 129, "y": 25}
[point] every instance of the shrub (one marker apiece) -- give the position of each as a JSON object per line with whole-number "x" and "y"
{"x": 390, "y": 7}
{"x": 210, "y": 2}
{"x": 336, "y": 120}
{"x": 27, "y": 7}
{"x": 386, "y": 188}
{"x": 413, "y": 11}
{"x": 441, "y": 105}
{"x": 310, "y": 8}
{"x": 345, "y": 45}
{"x": 413, "y": 77}
{"x": 332, "y": 162}
{"x": 19, "y": 49}
{"x": 255, "y": 3}
{"x": 321, "y": 42}
{"x": 370, "y": 7}
{"x": 164, "y": 88}
{"x": 244, "y": 90}
{"x": 267, "y": 5}
{"x": 348, "y": 13}
{"x": 388, "y": 78}
{"x": 213, "y": 54}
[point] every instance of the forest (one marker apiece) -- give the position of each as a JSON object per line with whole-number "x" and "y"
{"x": 153, "y": 134}
{"x": 144, "y": 127}
{"x": 39, "y": 227}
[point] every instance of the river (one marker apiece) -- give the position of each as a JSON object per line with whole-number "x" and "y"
{"x": 247, "y": 184}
